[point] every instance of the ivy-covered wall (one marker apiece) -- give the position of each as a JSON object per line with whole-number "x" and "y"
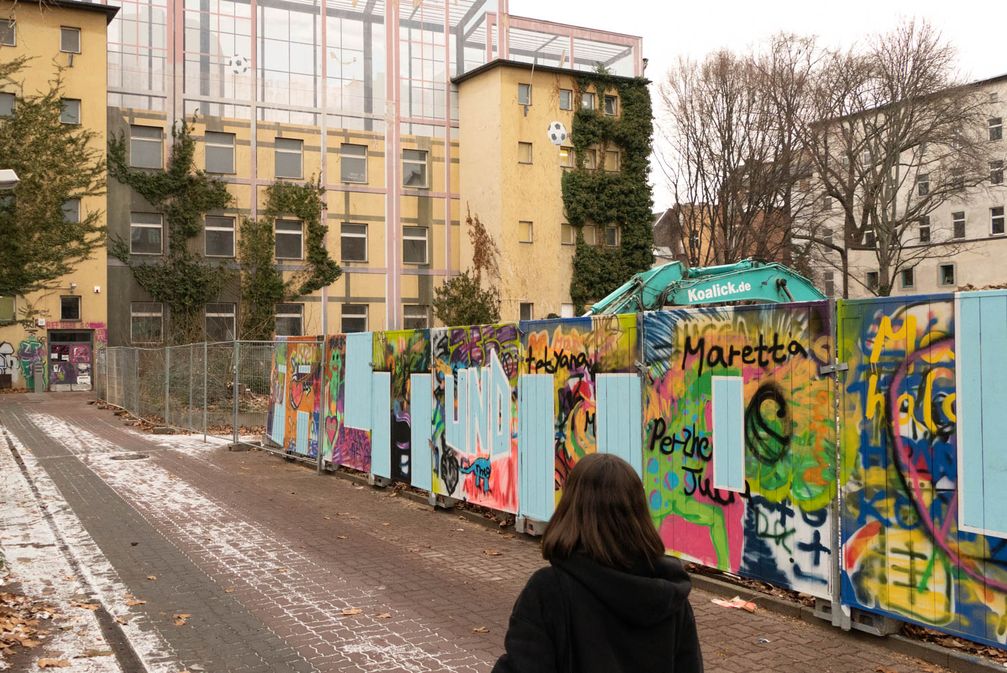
{"x": 599, "y": 197}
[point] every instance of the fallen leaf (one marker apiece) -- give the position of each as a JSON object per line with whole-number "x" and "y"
{"x": 133, "y": 602}
{"x": 340, "y": 537}
{"x": 87, "y": 654}
{"x": 480, "y": 629}
{"x": 383, "y": 615}
{"x": 152, "y": 577}
{"x": 349, "y": 612}
{"x": 122, "y": 620}
{"x": 282, "y": 570}
{"x": 386, "y": 524}
{"x": 53, "y": 663}
{"x": 229, "y": 590}
{"x": 85, "y": 606}
{"x": 460, "y": 530}
{"x": 492, "y": 552}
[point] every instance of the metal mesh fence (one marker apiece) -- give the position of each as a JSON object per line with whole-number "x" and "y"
{"x": 219, "y": 389}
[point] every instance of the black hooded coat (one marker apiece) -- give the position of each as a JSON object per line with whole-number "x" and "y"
{"x": 577, "y": 616}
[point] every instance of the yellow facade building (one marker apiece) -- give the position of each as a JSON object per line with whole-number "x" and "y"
{"x": 69, "y": 320}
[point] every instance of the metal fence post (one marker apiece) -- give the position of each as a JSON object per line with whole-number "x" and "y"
{"x": 206, "y": 394}
{"x": 167, "y": 382}
{"x": 319, "y": 468}
{"x": 234, "y": 393}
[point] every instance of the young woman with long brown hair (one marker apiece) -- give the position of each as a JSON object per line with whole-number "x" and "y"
{"x": 610, "y": 601}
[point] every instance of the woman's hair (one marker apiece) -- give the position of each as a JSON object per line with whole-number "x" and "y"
{"x": 603, "y": 514}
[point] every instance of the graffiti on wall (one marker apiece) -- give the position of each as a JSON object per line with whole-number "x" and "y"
{"x": 401, "y": 353}
{"x": 903, "y": 551}
{"x": 8, "y": 363}
{"x": 31, "y": 352}
{"x": 778, "y": 526}
{"x": 474, "y": 434}
{"x": 575, "y": 352}
{"x": 343, "y": 445}
{"x": 292, "y": 420}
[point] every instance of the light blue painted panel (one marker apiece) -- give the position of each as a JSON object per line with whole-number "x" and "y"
{"x": 381, "y": 424}
{"x": 619, "y": 420}
{"x": 303, "y": 431}
{"x": 358, "y": 380}
{"x": 969, "y": 426}
{"x": 279, "y": 422}
{"x": 421, "y": 416}
{"x": 993, "y": 331}
{"x": 728, "y": 433}
{"x": 536, "y": 436}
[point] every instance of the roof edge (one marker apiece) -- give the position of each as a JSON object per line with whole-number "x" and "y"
{"x": 108, "y": 10}
{"x": 521, "y": 65}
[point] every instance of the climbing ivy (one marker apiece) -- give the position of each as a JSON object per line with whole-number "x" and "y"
{"x": 262, "y": 283}
{"x": 601, "y": 197}
{"x": 182, "y": 279}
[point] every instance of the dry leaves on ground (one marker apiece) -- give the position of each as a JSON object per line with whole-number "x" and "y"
{"x": 349, "y": 612}
{"x": 85, "y": 606}
{"x": 181, "y": 618}
{"x": 480, "y": 629}
{"x": 383, "y": 615}
{"x": 53, "y": 663}
{"x": 492, "y": 552}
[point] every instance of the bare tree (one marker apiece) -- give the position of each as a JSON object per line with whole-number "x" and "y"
{"x": 897, "y": 136}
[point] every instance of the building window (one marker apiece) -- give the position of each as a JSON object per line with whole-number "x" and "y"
{"x": 946, "y": 275}
{"x": 70, "y": 112}
{"x": 590, "y": 233}
{"x": 69, "y": 39}
{"x": 923, "y": 184}
{"x": 414, "y": 168}
{"x": 567, "y": 234}
{"x": 220, "y": 323}
{"x": 527, "y": 310}
{"x": 71, "y": 210}
{"x": 827, "y": 203}
{"x": 997, "y": 220}
{"x": 872, "y": 280}
{"x": 524, "y": 94}
{"x": 828, "y": 235}
{"x": 526, "y": 231}
{"x": 146, "y": 322}
{"x": 958, "y": 224}
{"x": 354, "y": 318}
{"x": 7, "y": 104}
{"x": 611, "y": 105}
{"x": 587, "y": 101}
{"x": 353, "y": 243}
{"x": 612, "y": 160}
{"x": 591, "y": 159}
{"x": 566, "y": 99}
{"x": 870, "y": 239}
{"x": 8, "y": 309}
{"x": 997, "y": 172}
{"x": 612, "y": 236}
{"x": 288, "y": 153}
{"x": 69, "y": 308}
{"x": 996, "y": 128}
{"x": 219, "y": 236}
{"x": 829, "y": 283}
{"x": 414, "y": 245}
{"x": 289, "y": 319}
{"x": 957, "y": 179}
{"x": 566, "y": 311}
{"x": 994, "y": 97}
{"x": 415, "y": 316}
{"x": 524, "y": 153}
{"x": 924, "y": 224}
{"x": 146, "y": 146}
{"x": 289, "y": 239}
{"x": 353, "y": 163}
{"x": 8, "y": 33}
{"x": 908, "y": 279}
{"x": 145, "y": 234}
{"x": 567, "y": 158}
{"x": 219, "y": 152}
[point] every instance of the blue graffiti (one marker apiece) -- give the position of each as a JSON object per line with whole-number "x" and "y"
{"x": 481, "y": 468}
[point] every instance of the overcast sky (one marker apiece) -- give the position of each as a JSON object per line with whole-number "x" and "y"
{"x": 694, "y": 28}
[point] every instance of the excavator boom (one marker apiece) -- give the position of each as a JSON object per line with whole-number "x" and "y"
{"x": 675, "y": 285}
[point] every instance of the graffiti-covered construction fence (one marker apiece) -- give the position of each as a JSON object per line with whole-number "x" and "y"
{"x": 853, "y": 452}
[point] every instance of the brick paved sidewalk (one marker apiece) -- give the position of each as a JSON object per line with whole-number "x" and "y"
{"x": 265, "y": 557}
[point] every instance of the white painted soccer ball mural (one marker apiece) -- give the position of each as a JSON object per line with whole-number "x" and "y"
{"x": 556, "y": 133}
{"x": 238, "y": 64}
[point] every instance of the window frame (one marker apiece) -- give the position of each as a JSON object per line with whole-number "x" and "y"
{"x": 278, "y": 151}
{"x": 531, "y": 310}
{"x": 344, "y": 235}
{"x": 11, "y": 25}
{"x": 527, "y": 87}
{"x": 592, "y": 154}
{"x": 299, "y": 315}
{"x": 618, "y": 161}
{"x": 343, "y": 156}
{"x": 145, "y": 225}
{"x": 870, "y": 239}
{"x": 426, "y": 244}
{"x": 343, "y": 315}
{"x": 287, "y": 232}
{"x": 207, "y": 227}
{"x": 923, "y": 184}
{"x": 569, "y": 101}
{"x": 606, "y": 99}
{"x": 62, "y": 307}
{"x": 134, "y": 314}
{"x": 523, "y": 147}
{"x": 62, "y": 111}
{"x": 426, "y": 168}
{"x": 564, "y": 227}
{"x": 876, "y": 282}
{"x": 940, "y": 274}
{"x": 13, "y": 103}
{"x": 207, "y": 145}
{"x": 997, "y": 172}
{"x": 954, "y": 224}
{"x": 76, "y": 210}
{"x": 567, "y": 158}
{"x": 618, "y": 235}
{"x": 79, "y": 35}
{"x": 994, "y": 218}
{"x": 406, "y": 318}
{"x": 140, "y": 139}
{"x": 591, "y": 229}
{"x": 233, "y": 315}
{"x": 586, "y": 96}
{"x": 995, "y": 127}
{"x": 911, "y": 285}
{"x": 829, "y": 283}
{"x": 923, "y": 225}
{"x": 526, "y": 234}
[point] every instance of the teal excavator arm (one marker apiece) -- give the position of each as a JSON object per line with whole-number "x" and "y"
{"x": 675, "y": 285}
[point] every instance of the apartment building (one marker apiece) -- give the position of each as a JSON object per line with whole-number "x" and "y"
{"x": 374, "y": 99}
{"x": 68, "y": 321}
